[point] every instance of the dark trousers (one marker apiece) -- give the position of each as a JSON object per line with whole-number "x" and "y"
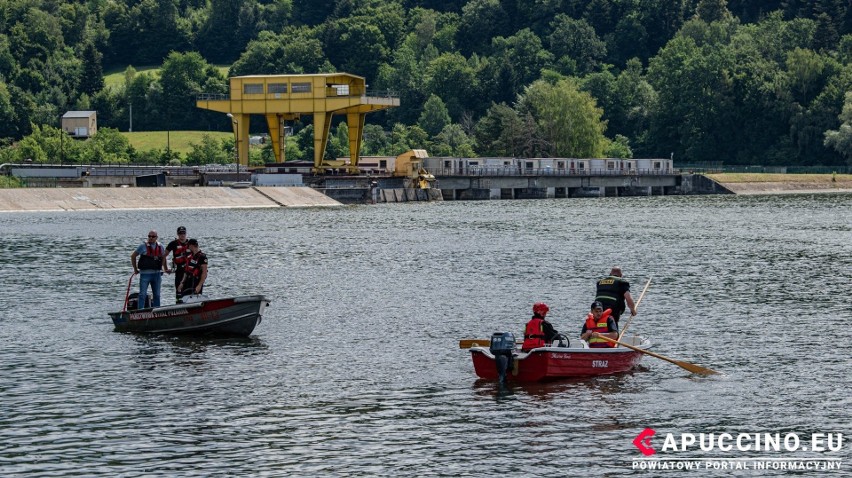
{"x": 179, "y": 273}
{"x": 189, "y": 287}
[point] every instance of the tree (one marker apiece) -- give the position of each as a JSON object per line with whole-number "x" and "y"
{"x": 576, "y": 40}
{"x": 710, "y": 11}
{"x": 806, "y": 69}
{"x": 223, "y": 35}
{"x": 355, "y": 45}
{"x": 107, "y": 146}
{"x": 841, "y": 139}
{"x": 46, "y": 145}
{"x": 453, "y": 141}
{"x": 404, "y": 138}
{"x": 338, "y": 142}
{"x": 694, "y": 86}
{"x": 92, "y": 79}
{"x": 209, "y": 151}
{"x": 500, "y": 132}
{"x": 8, "y": 116}
{"x": 618, "y": 148}
{"x": 519, "y": 60}
{"x": 481, "y": 20}
{"x": 569, "y": 120}
{"x": 374, "y": 140}
{"x": 182, "y": 76}
{"x": 453, "y": 79}
{"x": 291, "y": 52}
{"x": 434, "y": 117}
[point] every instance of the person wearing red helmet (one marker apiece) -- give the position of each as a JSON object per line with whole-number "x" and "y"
{"x": 539, "y": 331}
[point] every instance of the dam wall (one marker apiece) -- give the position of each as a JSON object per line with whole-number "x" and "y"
{"x": 89, "y": 199}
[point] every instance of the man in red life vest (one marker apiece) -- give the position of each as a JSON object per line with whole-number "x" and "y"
{"x": 180, "y": 256}
{"x": 539, "y": 331}
{"x": 196, "y": 270}
{"x": 150, "y": 266}
{"x": 599, "y": 323}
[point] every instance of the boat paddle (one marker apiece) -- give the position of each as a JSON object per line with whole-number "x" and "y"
{"x": 685, "y": 365}
{"x": 468, "y": 343}
{"x": 635, "y": 307}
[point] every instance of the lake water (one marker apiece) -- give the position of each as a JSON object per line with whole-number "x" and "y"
{"x": 355, "y": 369}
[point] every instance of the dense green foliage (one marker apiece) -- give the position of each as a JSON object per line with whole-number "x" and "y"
{"x": 736, "y": 81}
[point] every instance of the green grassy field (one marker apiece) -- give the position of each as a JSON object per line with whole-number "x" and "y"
{"x": 115, "y": 78}
{"x": 178, "y": 141}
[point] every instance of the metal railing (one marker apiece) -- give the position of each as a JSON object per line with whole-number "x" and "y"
{"x": 329, "y": 92}
{"x": 212, "y": 97}
{"x": 514, "y": 171}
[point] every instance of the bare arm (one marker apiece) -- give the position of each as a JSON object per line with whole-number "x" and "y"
{"x": 202, "y": 278}
{"x": 629, "y": 299}
{"x": 133, "y": 262}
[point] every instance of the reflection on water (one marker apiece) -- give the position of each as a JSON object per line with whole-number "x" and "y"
{"x": 355, "y": 369}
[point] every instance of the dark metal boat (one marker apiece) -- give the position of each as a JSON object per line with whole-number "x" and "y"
{"x": 230, "y": 316}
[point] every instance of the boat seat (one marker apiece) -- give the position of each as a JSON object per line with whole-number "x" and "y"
{"x": 188, "y": 299}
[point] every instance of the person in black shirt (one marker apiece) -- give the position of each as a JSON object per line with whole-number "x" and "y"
{"x": 196, "y": 271}
{"x": 180, "y": 256}
{"x": 613, "y": 291}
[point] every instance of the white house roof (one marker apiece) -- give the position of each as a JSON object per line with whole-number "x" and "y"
{"x": 78, "y": 114}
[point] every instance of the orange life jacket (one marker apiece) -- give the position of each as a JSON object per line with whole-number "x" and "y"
{"x": 534, "y": 334}
{"x": 181, "y": 253}
{"x": 600, "y": 326}
{"x": 193, "y": 268}
{"x": 152, "y": 259}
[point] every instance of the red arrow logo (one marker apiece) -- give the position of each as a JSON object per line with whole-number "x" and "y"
{"x": 643, "y": 442}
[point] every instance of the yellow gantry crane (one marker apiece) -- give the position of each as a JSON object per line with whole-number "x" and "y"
{"x": 281, "y": 98}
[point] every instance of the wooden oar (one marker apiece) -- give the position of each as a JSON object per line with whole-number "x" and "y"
{"x": 468, "y": 343}
{"x": 686, "y": 365}
{"x": 635, "y": 307}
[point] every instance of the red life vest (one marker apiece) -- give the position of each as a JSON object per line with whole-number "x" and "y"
{"x": 193, "y": 269}
{"x": 600, "y": 326}
{"x": 152, "y": 259}
{"x": 181, "y": 253}
{"x": 534, "y": 334}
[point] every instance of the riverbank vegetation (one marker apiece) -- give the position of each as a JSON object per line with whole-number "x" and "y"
{"x": 734, "y": 81}
{"x": 9, "y": 182}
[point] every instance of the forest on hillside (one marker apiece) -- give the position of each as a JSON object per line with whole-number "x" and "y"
{"x": 740, "y": 81}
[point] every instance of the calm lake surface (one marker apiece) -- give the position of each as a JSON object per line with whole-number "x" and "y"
{"x": 355, "y": 369}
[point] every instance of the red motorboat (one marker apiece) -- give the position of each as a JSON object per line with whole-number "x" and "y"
{"x": 574, "y": 359}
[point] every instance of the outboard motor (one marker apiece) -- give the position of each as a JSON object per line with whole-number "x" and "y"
{"x": 502, "y": 346}
{"x": 133, "y": 301}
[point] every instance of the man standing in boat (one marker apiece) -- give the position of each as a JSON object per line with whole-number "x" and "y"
{"x": 150, "y": 267}
{"x": 180, "y": 256}
{"x": 195, "y": 273}
{"x": 613, "y": 291}
{"x": 599, "y": 323}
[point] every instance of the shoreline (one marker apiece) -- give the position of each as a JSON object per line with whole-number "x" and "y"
{"x": 786, "y": 188}
{"x": 14, "y": 200}
{"x": 126, "y": 199}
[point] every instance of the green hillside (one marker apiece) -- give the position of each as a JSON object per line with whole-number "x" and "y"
{"x": 178, "y": 141}
{"x": 115, "y": 77}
